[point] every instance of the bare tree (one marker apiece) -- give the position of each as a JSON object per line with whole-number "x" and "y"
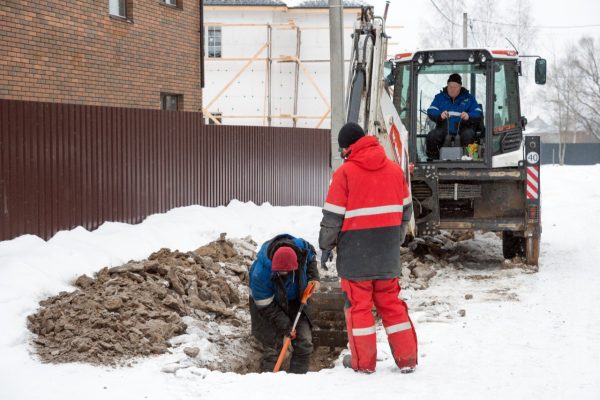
{"x": 486, "y": 30}
{"x": 586, "y": 65}
{"x": 562, "y": 97}
{"x": 575, "y": 91}
{"x": 522, "y": 33}
{"x": 443, "y": 27}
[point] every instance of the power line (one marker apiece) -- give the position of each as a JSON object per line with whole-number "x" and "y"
{"x": 473, "y": 33}
{"x": 442, "y": 14}
{"x": 567, "y": 26}
{"x": 539, "y": 26}
{"x": 493, "y": 22}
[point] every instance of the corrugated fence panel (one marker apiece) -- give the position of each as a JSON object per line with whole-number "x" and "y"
{"x": 63, "y": 165}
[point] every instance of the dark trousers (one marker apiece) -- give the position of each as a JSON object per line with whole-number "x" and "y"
{"x": 302, "y": 348}
{"x": 439, "y": 137}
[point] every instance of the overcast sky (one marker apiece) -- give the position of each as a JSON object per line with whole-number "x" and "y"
{"x": 412, "y": 14}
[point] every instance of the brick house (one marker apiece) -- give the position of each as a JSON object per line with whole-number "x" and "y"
{"x": 124, "y": 53}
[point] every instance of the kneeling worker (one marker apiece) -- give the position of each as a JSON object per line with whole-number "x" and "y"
{"x": 278, "y": 277}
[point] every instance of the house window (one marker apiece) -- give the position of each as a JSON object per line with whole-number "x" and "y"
{"x": 214, "y": 41}
{"x": 218, "y": 116}
{"x": 173, "y": 3}
{"x": 172, "y": 102}
{"x": 117, "y": 8}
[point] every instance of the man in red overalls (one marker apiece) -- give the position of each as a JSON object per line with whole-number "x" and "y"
{"x": 366, "y": 215}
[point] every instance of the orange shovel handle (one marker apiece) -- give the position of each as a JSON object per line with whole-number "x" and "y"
{"x": 310, "y": 288}
{"x": 286, "y": 345}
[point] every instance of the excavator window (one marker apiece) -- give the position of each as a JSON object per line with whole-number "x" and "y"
{"x": 507, "y": 132}
{"x": 431, "y": 79}
{"x": 401, "y": 96}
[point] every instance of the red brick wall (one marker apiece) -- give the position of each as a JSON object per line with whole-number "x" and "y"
{"x": 74, "y": 52}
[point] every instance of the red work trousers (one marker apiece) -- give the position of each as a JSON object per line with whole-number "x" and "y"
{"x": 361, "y": 324}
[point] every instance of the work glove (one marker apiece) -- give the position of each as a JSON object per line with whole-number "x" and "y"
{"x": 292, "y": 334}
{"x": 317, "y": 285}
{"x": 326, "y": 255}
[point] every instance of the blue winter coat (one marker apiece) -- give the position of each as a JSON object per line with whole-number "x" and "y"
{"x": 464, "y": 102}
{"x": 275, "y": 300}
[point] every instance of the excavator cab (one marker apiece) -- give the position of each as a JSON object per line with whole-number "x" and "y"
{"x": 492, "y": 80}
{"x": 494, "y": 189}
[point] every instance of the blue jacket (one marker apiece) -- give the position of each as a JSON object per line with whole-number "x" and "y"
{"x": 275, "y": 300}
{"x": 464, "y": 102}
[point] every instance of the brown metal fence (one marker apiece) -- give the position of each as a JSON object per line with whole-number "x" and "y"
{"x": 64, "y": 165}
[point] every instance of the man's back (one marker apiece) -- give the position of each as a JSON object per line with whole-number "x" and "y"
{"x": 369, "y": 192}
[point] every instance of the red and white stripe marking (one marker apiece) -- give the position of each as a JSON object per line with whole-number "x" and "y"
{"x": 533, "y": 182}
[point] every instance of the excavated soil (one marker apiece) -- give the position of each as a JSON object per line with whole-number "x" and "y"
{"x": 157, "y": 306}
{"x": 193, "y": 305}
{"x": 134, "y": 309}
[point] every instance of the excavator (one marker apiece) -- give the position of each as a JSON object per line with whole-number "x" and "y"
{"x": 491, "y": 186}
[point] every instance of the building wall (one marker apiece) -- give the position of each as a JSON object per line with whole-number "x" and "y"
{"x": 247, "y": 96}
{"x": 75, "y": 52}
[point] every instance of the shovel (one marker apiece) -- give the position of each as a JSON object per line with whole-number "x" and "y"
{"x": 310, "y": 288}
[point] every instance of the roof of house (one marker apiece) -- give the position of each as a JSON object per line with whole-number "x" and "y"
{"x": 325, "y": 4}
{"x": 549, "y": 133}
{"x": 244, "y": 3}
{"x": 304, "y": 4}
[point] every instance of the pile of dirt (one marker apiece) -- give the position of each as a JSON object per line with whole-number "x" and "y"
{"x": 426, "y": 255}
{"x": 134, "y": 309}
{"x": 194, "y": 305}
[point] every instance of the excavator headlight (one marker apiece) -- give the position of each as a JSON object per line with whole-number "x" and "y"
{"x": 472, "y": 58}
{"x": 420, "y": 59}
{"x": 431, "y": 60}
{"x": 482, "y": 57}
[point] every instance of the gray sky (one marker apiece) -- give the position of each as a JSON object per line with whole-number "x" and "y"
{"x": 412, "y": 14}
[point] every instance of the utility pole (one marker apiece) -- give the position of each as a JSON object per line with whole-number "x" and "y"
{"x": 465, "y": 22}
{"x": 336, "y": 73}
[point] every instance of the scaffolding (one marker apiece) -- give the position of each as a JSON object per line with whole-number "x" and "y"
{"x": 300, "y": 67}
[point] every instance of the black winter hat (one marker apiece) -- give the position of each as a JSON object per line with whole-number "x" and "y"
{"x": 455, "y": 78}
{"x": 349, "y": 134}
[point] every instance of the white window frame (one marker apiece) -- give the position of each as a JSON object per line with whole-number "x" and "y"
{"x": 214, "y": 40}
{"x": 118, "y": 8}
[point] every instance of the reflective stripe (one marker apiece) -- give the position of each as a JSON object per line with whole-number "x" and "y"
{"x": 359, "y": 212}
{"x": 398, "y": 328}
{"x": 454, "y": 113}
{"x": 433, "y": 107}
{"x": 265, "y": 302}
{"x": 407, "y": 200}
{"x": 478, "y": 109}
{"x": 334, "y": 209}
{"x": 363, "y": 331}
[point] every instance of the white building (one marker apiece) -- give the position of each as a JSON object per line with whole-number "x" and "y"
{"x": 268, "y": 64}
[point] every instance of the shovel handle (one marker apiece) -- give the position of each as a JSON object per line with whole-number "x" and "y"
{"x": 284, "y": 349}
{"x": 310, "y": 289}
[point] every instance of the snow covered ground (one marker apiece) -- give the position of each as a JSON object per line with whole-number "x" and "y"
{"x": 523, "y": 335}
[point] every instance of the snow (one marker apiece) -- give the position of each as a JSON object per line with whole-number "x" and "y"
{"x": 523, "y": 335}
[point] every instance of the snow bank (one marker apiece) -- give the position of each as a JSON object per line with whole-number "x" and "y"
{"x": 523, "y": 335}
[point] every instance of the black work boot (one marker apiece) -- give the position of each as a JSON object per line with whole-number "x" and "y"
{"x": 347, "y": 361}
